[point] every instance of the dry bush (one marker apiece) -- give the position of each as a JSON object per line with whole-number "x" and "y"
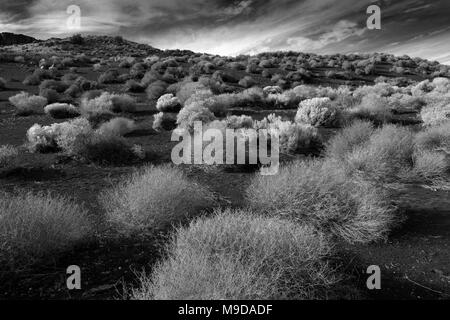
{"x": 117, "y": 126}
{"x": 109, "y": 77}
{"x": 436, "y": 111}
{"x": 61, "y": 111}
{"x": 430, "y": 165}
{"x": 107, "y": 149}
{"x": 348, "y": 139}
{"x": 107, "y": 103}
{"x": 27, "y": 104}
{"x": 168, "y": 103}
{"x": 156, "y": 89}
{"x": 154, "y": 198}
{"x": 133, "y": 86}
{"x": 70, "y": 136}
{"x": 293, "y": 137}
{"x": 386, "y": 156}
{"x": 165, "y": 121}
{"x": 241, "y": 256}
{"x": 318, "y": 112}
{"x": 8, "y": 155}
{"x": 192, "y": 113}
{"x": 321, "y": 194}
{"x": 434, "y": 138}
{"x": 372, "y": 107}
{"x": 33, "y": 226}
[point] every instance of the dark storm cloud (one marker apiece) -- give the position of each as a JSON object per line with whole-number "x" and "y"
{"x": 415, "y": 27}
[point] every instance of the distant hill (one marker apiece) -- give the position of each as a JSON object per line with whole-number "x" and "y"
{"x": 8, "y": 39}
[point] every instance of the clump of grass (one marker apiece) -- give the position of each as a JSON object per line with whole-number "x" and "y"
{"x": 321, "y": 194}
{"x": 348, "y": 139}
{"x": 435, "y": 137}
{"x": 27, "y": 104}
{"x": 154, "y": 198}
{"x": 8, "y": 155}
{"x": 61, "y": 111}
{"x": 117, "y": 126}
{"x": 239, "y": 255}
{"x": 35, "y": 225}
{"x": 386, "y": 156}
{"x": 430, "y": 166}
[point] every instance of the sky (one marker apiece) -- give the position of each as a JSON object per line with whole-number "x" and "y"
{"x": 418, "y": 28}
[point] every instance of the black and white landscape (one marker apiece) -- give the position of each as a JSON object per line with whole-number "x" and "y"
{"x": 224, "y": 150}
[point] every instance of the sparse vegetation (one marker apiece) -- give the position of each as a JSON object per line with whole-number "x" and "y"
{"x": 240, "y": 256}
{"x": 321, "y": 194}
{"x": 27, "y": 104}
{"x": 36, "y": 225}
{"x": 153, "y": 199}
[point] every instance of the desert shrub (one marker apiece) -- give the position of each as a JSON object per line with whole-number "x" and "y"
{"x": 156, "y": 89}
{"x": 348, "y": 139}
{"x": 107, "y": 103}
{"x": 42, "y": 138}
{"x": 138, "y": 70}
{"x": 436, "y": 111}
{"x": 293, "y": 137}
{"x": 108, "y": 149}
{"x": 58, "y": 86}
{"x": 240, "y": 256}
{"x": 110, "y": 76}
{"x": 8, "y": 155}
{"x": 154, "y": 198}
{"x": 239, "y": 122}
{"x": 321, "y": 194}
{"x": 2, "y": 83}
{"x": 247, "y": 82}
{"x": 168, "y": 103}
{"x": 318, "y": 112}
{"x": 187, "y": 89}
{"x": 70, "y": 136}
{"x": 133, "y": 86}
{"x": 165, "y": 121}
{"x": 35, "y": 225}
{"x": 194, "y": 112}
{"x": 61, "y": 111}
{"x": 272, "y": 90}
{"x": 386, "y": 156}
{"x": 372, "y": 107}
{"x": 430, "y": 165}
{"x": 51, "y": 95}
{"x": 117, "y": 126}
{"x": 434, "y": 138}
{"x": 27, "y": 104}
{"x": 401, "y": 103}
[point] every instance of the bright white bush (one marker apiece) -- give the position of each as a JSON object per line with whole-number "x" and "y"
{"x": 108, "y": 103}
{"x": 435, "y": 112}
{"x": 293, "y": 137}
{"x": 317, "y": 112}
{"x": 168, "y": 103}
{"x": 28, "y": 104}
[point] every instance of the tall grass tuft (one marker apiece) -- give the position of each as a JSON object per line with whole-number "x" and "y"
{"x": 240, "y": 255}
{"x": 154, "y": 198}
{"x": 321, "y": 194}
{"x": 35, "y": 225}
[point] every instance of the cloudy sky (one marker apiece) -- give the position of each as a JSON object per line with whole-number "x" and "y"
{"x": 230, "y": 27}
